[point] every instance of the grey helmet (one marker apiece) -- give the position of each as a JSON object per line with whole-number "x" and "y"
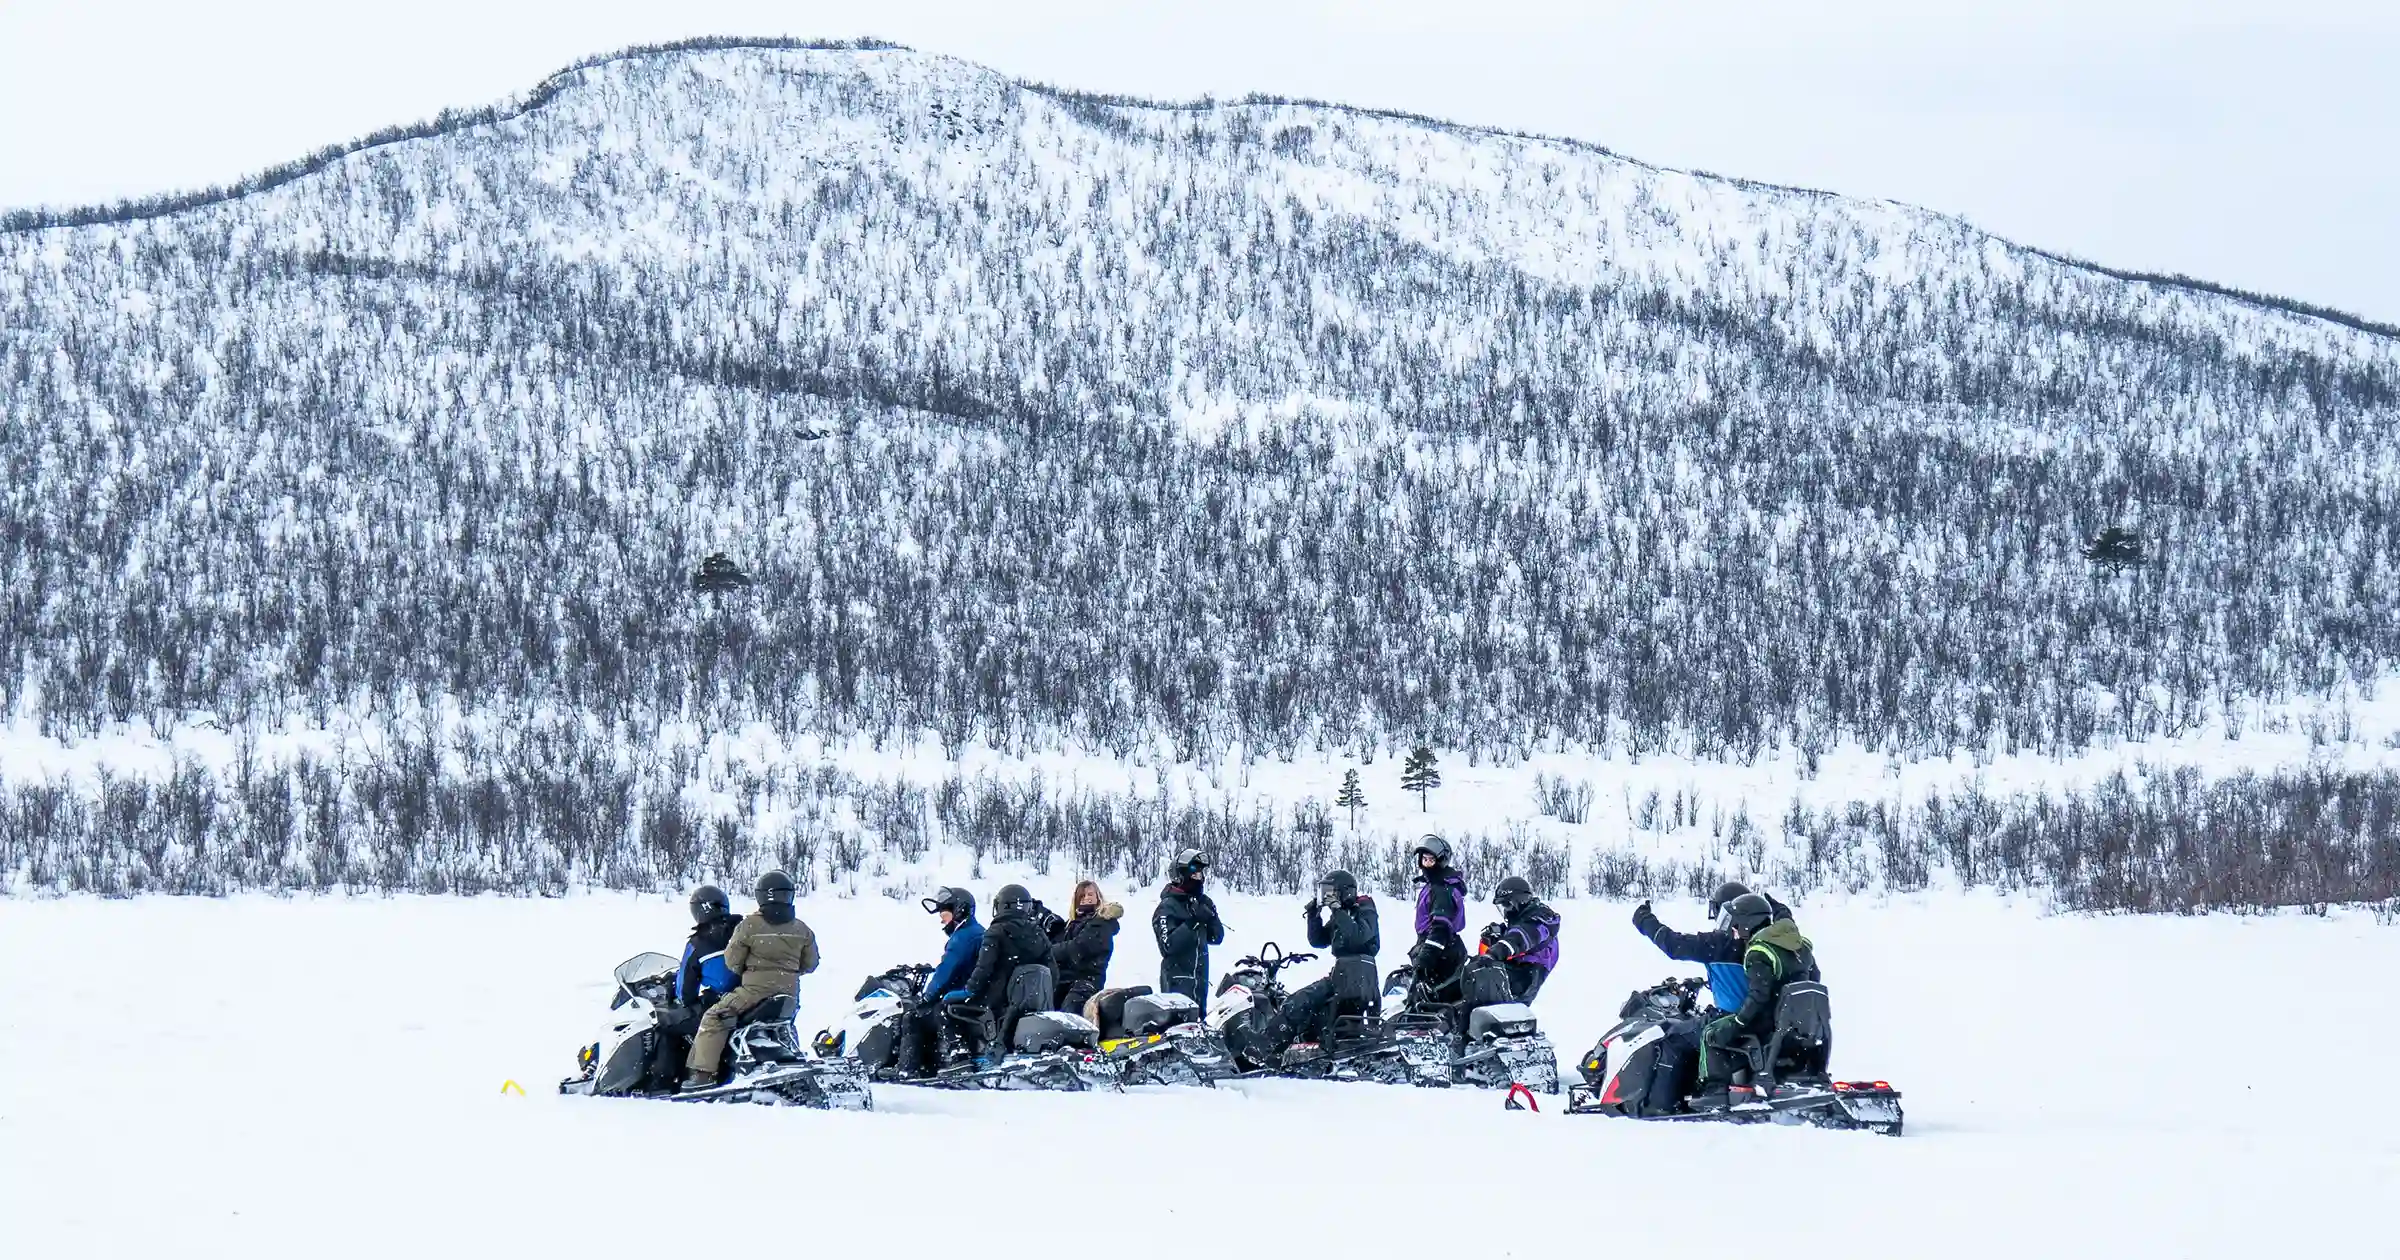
{"x": 775, "y": 888}
{"x": 1748, "y": 913}
{"x": 1435, "y": 846}
{"x": 1190, "y": 864}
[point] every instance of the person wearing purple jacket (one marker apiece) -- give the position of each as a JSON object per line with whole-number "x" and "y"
{"x": 1441, "y": 918}
{"x": 1526, "y": 941}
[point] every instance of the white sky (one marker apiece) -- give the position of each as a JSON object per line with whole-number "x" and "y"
{"x": 2250, "y": 142}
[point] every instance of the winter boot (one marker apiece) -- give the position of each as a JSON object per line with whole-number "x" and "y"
{"x": 696, "y": 1080}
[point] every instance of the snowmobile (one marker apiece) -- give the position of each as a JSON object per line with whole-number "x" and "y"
{"x": 1158, "y": 1038}
{"x": 1788, "y": 1070}
{"x": 1476, "y": 1035}
{"x": 636, "y": 1057}
{"x": 1247, "y": 1015}
{"x": 1046, "y": 1049}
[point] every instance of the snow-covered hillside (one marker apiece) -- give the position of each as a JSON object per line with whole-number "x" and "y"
{"x": 321, "y": 1072}
{"x": 1162, "y": 441}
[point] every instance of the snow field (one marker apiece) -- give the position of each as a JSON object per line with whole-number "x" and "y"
{"x": 269, "y": 1077}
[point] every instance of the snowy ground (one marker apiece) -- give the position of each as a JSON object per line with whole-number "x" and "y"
{"x": 272, "y": 1077}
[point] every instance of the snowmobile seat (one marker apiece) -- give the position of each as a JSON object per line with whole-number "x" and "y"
{"x": 1152, "y": 1013}
{"x": 1039, "y": 1031}
{"x": 1483, "y": 981}
{"x": 775, "y": 1010}
{"x": 1501, "y": 1019}
{"x": 1802, "y": 1043}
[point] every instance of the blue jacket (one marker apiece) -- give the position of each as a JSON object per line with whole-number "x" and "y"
{"x": 704, "y": 961}
{"x": 1728, "y": 984}
{"x": 958, "y": 958}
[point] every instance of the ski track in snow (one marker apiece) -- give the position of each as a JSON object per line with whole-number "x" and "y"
{"x": 262, "y": 1076}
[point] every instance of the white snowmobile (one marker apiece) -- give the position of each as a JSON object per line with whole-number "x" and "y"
{"x": 1247, "y": 1016}
{"x": 636, "y": 1057}
{"x": 1476, "y": 1034}
{"x": 1158, "y": 1038}
{"x": 1046, "y": 1049}
{"x": 1788, "y": 1070}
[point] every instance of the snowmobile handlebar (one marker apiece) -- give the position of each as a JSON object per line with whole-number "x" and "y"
{"x": 1270, "y": 958}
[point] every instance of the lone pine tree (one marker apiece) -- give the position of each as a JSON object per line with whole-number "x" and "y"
{"x": 1420, "y": 774}
{"x": 1351, "y": 797}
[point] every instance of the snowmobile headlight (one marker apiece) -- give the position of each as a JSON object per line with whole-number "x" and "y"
{"x": 1592, "y": 1064}
{"x": 829, "y": 1043}
{"x": 587, "y": 1056}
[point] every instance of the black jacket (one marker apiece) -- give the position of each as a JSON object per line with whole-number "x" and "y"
{"x": 1084, "y": 945}
{"x": 1349, "y": 931}
{"x": 1185, "y": 924}
{"x": 1774, "y": 957}
{"x": 1010, "y": 941}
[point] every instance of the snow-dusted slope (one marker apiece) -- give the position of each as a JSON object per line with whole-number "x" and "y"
{"x": 1194, "y": 432}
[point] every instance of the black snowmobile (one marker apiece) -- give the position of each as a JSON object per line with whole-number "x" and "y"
{"x": 1471, "y": 1033}
{"x": 1046, "y": 1049}
{"x": 636, "y": 1057}
{"x": 1158, "y": 1038}
{"x": 1788, "y": 1070}
{"x": 1247, "y": 1015}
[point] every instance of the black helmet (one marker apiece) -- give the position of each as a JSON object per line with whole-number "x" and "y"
{"x": 1012, "y": 897}
{"x": 1511, "y": 893}
{"x": 710, "y": 902}
{"x": 1189, "y": 864}
{"x": 1339, "y": 887}
{"x": 957, "y": 901}
{"x": 775, "y": 886}
{"x": 1748, "y": 913}
{"x": 1435, "y": 845}
{"x": 1726, "y": 892}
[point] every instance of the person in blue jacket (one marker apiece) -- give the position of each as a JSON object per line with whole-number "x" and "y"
{"x": 702, "y": 978}
{"x": 929, "y": 1024}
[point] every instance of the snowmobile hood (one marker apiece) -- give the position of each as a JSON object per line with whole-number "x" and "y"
{"x": 1783, "y": 934}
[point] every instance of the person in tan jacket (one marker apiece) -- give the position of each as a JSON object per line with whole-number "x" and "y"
{"x": 769, "y": 953}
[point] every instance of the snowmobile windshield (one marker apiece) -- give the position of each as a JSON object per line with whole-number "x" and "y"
{"x": 641, "y": 967}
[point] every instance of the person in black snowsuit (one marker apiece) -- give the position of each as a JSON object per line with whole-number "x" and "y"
{"x": 1011, "y": 940}
{"x": 1441, "y": 916}
{"x": 1342, "y": 920}
{"x": 1081, "y": 946}
{"x": 699, "y": 982}
{"x": 1774, "y": 954}
{"x": 1525, "y": 941}
{"x": 1186, "y": 924}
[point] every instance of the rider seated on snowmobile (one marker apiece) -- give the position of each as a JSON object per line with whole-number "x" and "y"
{"x": 1774, "y": 954}
{"x": 1441, "y": 916}
{"x": 955, "y": 908}
{"x": 979, "y": 1003}
{"x": 765, "y": 956}
{"x": 700, "y": 980}
{"x": 1340, "y": 919}
{"x": 1081, "y": 946}
{"x": 1525, "y": 940}
{"x": 1718, "y": 949}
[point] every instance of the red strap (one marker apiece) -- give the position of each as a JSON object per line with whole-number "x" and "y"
{"x": 1517, "y": 1090}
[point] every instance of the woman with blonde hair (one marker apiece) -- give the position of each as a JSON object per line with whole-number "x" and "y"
{"x": 1082, "y": 944}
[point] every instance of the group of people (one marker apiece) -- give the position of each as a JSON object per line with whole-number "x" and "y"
{"x": 733, "y": 963}
{"x": 1752, "y": 951}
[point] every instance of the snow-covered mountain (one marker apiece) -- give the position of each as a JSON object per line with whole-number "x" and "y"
{"x": 1250, "y": 430}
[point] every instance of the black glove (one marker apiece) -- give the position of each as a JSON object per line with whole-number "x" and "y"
{"x": 1501, "y": 948}
{"x": 1643, "y": 921}
{"x": 1491, "y": 932}
{"x": 1312, "y": 907}
{"x": 1722, "y": 1032}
